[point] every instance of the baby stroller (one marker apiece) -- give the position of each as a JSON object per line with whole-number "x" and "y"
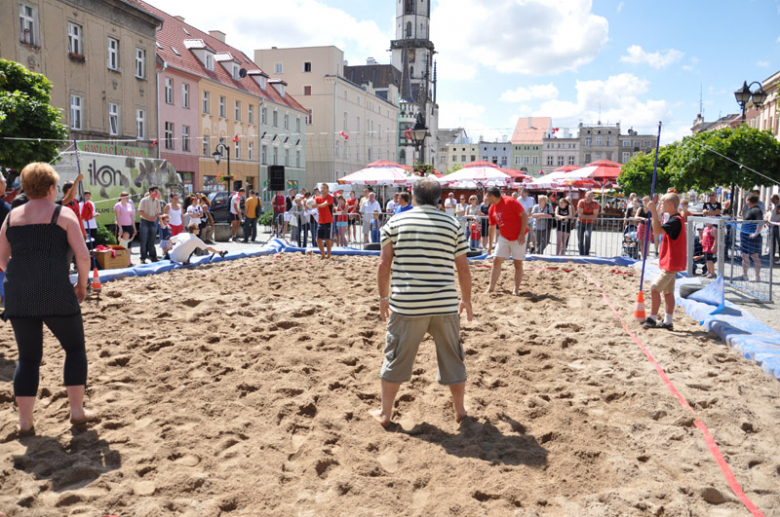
{"x": 630, "y": 242}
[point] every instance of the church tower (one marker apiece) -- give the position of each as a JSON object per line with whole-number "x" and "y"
{"x": 413, "y": 54}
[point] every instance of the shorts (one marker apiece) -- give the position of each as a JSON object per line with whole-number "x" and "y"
{"x": 165, "y": 244}
{"x": 505, "y": 248}
{"x": 323, "y": 231}
{"x": 352, "y": 219}
{"x": 710, "y": 257}
{"x": 750, "y": 245}
{"x": 367, "y": 223}
{"x": 341, "y": 224}
{"x": 664, "y": 283}
{"x": 404, "y": 335}
{"x": 234, "y": 217}
{"x": 176, "y": 229}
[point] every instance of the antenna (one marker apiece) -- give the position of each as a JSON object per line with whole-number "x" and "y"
{"x": 701, "y": 101}
{"x": 599, "y": 113}
{"x": 242, "y": 73}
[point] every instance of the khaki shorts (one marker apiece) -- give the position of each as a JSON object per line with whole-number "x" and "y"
{"x": 664, "y": 283}
{"x": 505, "y": 248}
{"x": 404, "y": 335}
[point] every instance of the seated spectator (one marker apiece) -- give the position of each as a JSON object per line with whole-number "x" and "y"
{"x": 185, "y": 244}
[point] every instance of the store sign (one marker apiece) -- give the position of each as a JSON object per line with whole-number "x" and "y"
{"x": 116, "y": 150}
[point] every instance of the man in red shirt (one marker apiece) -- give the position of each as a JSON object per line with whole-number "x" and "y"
{"x": 69, "y": 190}
{"x": 508, "y": 214}
{"x": 672, "y": 260}
{"x": 324, "y": 221}
{"x": 279, "y": 205}
{"x": 352, "y": 210}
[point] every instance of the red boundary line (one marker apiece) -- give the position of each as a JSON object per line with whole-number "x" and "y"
{"x": 708, "y": 439}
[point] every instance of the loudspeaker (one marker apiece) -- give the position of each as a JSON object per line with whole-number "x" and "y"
{"x": 237, "y": 184}
{"x": 276, "y": 178}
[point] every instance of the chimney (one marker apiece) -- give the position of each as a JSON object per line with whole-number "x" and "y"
{"x": 370, "y": 61}
{"x": 219, "y": 35}
{"x": 346, "y": 63}
{"x": 530, "y": 122}
{"x": 180, "y": 18}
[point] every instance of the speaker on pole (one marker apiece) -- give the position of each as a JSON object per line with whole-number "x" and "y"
{"x": 276, "y": 178}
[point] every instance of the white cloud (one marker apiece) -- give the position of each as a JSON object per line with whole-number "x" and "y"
{"x": 692, "y": 64}
{"x": 762, "y": 64}
{"x": 636, "y": 55}
{"x": 620, "y": 7}
{"x": 533, "y": 92}
{"x": 778, "y": 39}
{"x": 468, "y": 115}
{"x": 292, "y": 23}
{"x": 537, "y": 37}
{"x": 619, "y": 98}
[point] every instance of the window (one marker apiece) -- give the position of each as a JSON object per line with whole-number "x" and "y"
{"x": 206, "y": 103}
{"x": 113, "y": 54}
{"x": 185, "y": 95}
{"x": 626, "y": 156}
{"x": 587, "y": 142}
{"x": 238, "y": 111}
{"x": 598, "y": 141}
{"x": 298, "y": 159}
{"x": 209, "y": 62}
{"x": 140, "y": 124}
{"x": 536, "y": 160}
{"x": 307, "y": 66}
{"x": 113, "y": 119}
{"x": 28, "y": 24}
{"x": 369, "y": 155}
{"x": 572, "y": 160}
{"x": 357, "y": 127}
{"x": 626, "y": 143}
{"x": 346, "y": 121}
{"x": 609, "y": 142}
{"x": 264, "y": 116}
{"x": 276, "y": 119}
{"x": 337, "y": 150}
{"x": 298, "y": 124}
{"x": 307, "y": 90}
{"x": 238, "y": 150}
{"x": 235, "y": 73}
{"x": 264, "y": 154}
{"x": 185, "y": 138}
{"x": 560, "y": 161}
{"x": 474, "y": 158}
{"x": 275, "y": 157}
{"x": 587, "y": 158}
{"x": 278, "y": 68}
{"x": 649, "y": 143}
{"x": 76, "y": 118}
{"x": 169, "y": 135}
{"x": 597, "y": 156}
{"x": 408, "y": 30}
{"x": 205, "y": 145}
{"x": 168, "y": 90}
{"x": 74, "y": 39}
{"x": 462, "y": 158}
{"x": 526, "y": 160}
{"x": 549, "y": 161}
{"x": 310, "y": 117}
{"x": 251, "y": 114}
{"x": 222, "y": 106}
{"x": 286, "y": 121}
{"x": 250, "y": 148}
{"x": 140, "y": 63}
{"x": 286, "y": 157}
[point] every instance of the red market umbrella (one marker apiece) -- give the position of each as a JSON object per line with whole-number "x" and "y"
{"x": 381, "y": 172}
{"x": 601, "y": 170}
{"x": 566, "y": 168}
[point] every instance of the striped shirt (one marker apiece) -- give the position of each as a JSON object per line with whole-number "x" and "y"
{"x": 425, "y": 242}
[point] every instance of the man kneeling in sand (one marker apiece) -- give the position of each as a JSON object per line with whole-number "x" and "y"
{"x": 423, "y": 298}
{"x": 185, "y": 244}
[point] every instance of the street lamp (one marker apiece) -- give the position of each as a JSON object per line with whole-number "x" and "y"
{"x": 418, "y": 134}
{"x": 744, "y": 94}
{"x": 217, "y": 154}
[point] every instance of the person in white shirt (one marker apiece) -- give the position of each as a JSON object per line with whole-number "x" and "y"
{"x": 185, "y": 244}
{"x": 450, "y": 205}
{"x": 528, "y": 203}
{"x": 236, "y": 216}
{"x": 368, "y": 209}
{"x": 393, "y": 203}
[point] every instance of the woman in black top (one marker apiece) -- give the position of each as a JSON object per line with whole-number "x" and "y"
{"x": 34, "y": 243}
{"x": 564, "y": 215}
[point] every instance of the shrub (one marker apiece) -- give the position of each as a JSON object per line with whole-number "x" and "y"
{"x": 104, "y": 236}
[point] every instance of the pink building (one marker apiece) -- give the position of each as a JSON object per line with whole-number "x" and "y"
{"x": 179, "y": 119}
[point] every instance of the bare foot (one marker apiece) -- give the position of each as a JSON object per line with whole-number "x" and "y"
{"x": 83, "y": 416}
{"x": 460, "y": 415}
{"x": 489, "y": 290}
{"x": 380, "y": 417}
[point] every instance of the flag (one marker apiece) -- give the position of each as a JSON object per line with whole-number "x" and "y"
{"x": 343, "y": 135}
{"x": 408, "y": 134}
{"x": 235, "y": 138}
{"x": 154, "y": 143}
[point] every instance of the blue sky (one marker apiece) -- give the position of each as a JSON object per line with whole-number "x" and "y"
{"x": 641, "y": 61}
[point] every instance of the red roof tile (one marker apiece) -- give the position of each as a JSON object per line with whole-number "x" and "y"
{"x": 531, "y": 135}
{"x": 173, "y": 35}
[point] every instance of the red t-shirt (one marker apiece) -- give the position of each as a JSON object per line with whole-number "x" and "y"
{"x": 326, "y": 216}
{"x": 587, "y": 209}
{"x": 352, "y": 205}
{"x": 707, "y": 240}
{"x": 506, "y": 214}
{"x": 279, "y": 203}
{"x": 73, "y": 205}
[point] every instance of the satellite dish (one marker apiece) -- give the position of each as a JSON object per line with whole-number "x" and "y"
{"x": 242, "y": 73}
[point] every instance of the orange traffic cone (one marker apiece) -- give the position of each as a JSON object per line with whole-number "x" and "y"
{"x": 639, "y": 309}
{"x": 96, "y": 286}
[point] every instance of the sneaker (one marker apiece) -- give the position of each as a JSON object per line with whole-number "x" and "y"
{"x": 155, "y": 259}
{"x": 143, "y": 261}
{"x": 662, "y": 325}
{"x": 650, "y": 323}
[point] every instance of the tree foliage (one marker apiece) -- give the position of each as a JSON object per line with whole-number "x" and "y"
{"x": 455, "y": 168}
{"x": 695, "y": 162}
{"x": 25, "y": 112}
{"x": 637, "y": 174}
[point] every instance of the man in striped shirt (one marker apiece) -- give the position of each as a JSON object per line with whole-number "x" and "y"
{"x": 421, "y": 251}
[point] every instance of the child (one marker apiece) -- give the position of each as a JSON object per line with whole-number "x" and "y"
{"x": 342, "y": 221}
{"x": 374, "y": 226}
{"x": 165, "y": 234}
{"x": 673, "y": 257}
{"x": 709, "y": 247}
{"x": 124, "y": 241}
{"x": 476, "y": 234}
{"x": 684, "y": 212}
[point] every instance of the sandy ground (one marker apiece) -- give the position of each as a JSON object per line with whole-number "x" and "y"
{"x": 244, "y": 388}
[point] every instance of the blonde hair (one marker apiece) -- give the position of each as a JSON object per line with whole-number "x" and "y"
{"x": 473, "y": 198}
{"x": 542, "y": 198}
{"x": 37, "y": 178}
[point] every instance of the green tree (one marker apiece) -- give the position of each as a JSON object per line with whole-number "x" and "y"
{"x": 25, "y": 112}
{"x": 455, "y": 168}
{"x": 697, "y": 163}
{"x": 637, "y": 174}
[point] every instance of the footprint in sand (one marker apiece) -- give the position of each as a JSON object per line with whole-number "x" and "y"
{"x": 389, "y": 461}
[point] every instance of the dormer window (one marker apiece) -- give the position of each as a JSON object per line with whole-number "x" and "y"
{"x": 235, "y": 72}
{"x": 209, "y": 62}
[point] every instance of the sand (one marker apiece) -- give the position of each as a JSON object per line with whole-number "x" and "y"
{"x": 244, "y": 388}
